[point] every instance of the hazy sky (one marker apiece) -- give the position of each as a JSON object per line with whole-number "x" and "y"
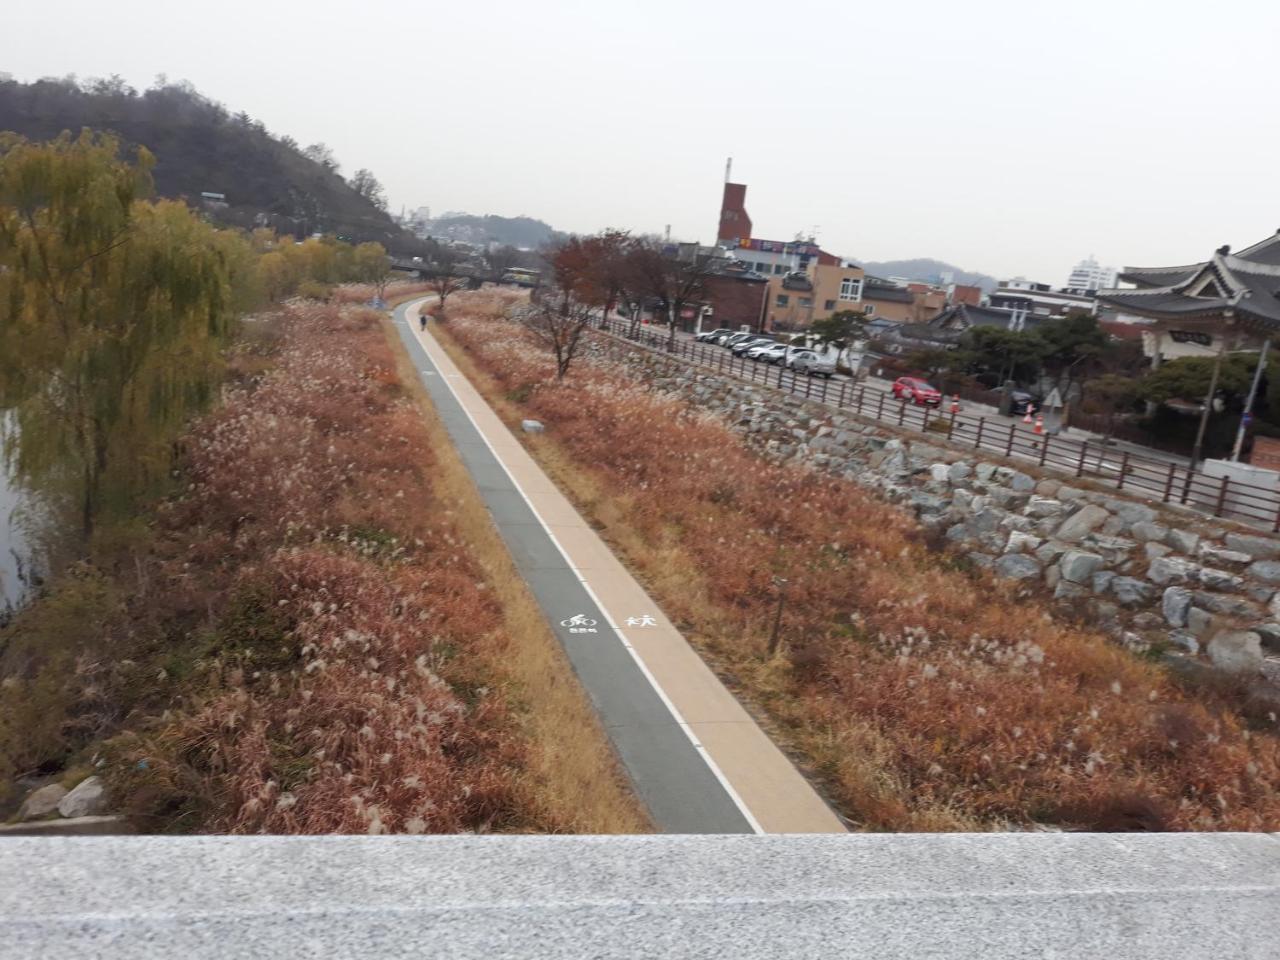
{"x": 1009, "y": 136}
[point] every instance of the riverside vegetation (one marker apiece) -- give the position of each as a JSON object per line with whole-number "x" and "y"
{"x": 923, "y": 695}
{"x": 272, "y": 602}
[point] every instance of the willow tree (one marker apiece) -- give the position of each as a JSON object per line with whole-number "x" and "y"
{"x": 112, "y": 314}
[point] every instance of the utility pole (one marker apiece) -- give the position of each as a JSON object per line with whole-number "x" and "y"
{"x": 1208, "y": 404}
{"x": 1247, "y": 416}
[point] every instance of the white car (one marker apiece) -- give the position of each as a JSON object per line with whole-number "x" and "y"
{"x": 771, "y": 353}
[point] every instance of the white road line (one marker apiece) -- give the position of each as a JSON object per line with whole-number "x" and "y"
{"x": 653, "y": 682}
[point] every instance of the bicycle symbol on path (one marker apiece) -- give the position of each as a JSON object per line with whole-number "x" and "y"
{"x": 580, "y": 623}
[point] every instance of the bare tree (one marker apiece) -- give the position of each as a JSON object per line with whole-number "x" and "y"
{"x": 676, "y": 281}
{"x": 366, "y": 184}
{"x": 323, "y": 155}
{"x": 501, "y": 259}
{"x": 559, "y": 314}
{"x": 444, "y": 274}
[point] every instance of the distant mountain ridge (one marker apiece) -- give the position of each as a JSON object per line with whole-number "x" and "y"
{"x": 927, "y": 270}
{"x": 201, "y": 147}
{"x": 523, "y": 232}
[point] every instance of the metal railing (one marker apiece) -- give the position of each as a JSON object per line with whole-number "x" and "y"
{"x": 1151, "y": 477}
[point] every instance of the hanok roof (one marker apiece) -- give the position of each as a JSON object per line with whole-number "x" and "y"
{"x": 962, "y": 316}
{"x": 1246, "y": 284}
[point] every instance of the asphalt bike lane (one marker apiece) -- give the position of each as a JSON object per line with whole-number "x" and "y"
{"x": 670, "y": 769}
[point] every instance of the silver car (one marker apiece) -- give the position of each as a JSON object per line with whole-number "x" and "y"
{"x": 806, "y": 361}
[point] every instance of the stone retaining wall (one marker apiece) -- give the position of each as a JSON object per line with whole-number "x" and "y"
{"x": 1154, "y": 576}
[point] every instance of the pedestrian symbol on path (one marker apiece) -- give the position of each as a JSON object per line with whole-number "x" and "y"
{"x": 580, "y": 623}
{"x": 645, "y": 621}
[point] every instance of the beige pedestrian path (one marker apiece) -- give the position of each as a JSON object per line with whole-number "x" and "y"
{"x": 774, "y": 793}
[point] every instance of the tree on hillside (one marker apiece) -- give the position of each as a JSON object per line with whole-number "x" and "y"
{"x": 366, "y": 184}
{"x": 113, "y": 312}
{"x": 444, "y": 273}
{"x": 321, "y": 154}
{"x": 559, "y": 313}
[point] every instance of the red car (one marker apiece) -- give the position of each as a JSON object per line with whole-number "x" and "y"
{"x": 917, "y": 391}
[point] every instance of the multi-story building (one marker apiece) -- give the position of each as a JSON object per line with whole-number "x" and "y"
{"x": 1039, "y": 299}
{"x": 1089, "y": 276}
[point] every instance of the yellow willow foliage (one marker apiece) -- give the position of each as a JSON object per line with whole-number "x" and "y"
{"x": 113, "y": 312}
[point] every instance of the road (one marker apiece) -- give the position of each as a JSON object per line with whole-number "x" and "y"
{"x": 697, "y": 759}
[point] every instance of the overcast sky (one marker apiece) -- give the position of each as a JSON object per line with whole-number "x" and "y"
{"x": 1008, "y": 136}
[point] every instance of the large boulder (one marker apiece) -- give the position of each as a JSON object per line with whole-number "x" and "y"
{"x": 1078, "y": 566}
{"x": 1131, "y": 512}
{"x": 1132, "y": 592}
{"x": 1224, "y": 558}
{"x": 41, "y": 802}
{"x": 1042, "y": 507}
{"x": 959, "y": 471}
{"x": 1166, "y": 570}
{"x": 1237, "y": 651}
{"x": 531, "y": 426}
{"x": 1184, "y": 541}
{"x": 1219, "y": 579}
{"x": 1148, "y": 531}
{"x": 1017, "y": 566}
{"x": 1268, "y": 571}
{"x": 1260, "y": 548}
{"x": 1175, "y": 606}
{"x": 88, "y": 799}
{"x": 1083, "y": 522}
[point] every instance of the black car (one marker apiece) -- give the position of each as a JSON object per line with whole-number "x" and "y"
{"x": 1020, "y": 401}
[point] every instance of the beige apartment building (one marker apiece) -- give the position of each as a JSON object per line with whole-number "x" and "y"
{"x": 796, "y": 300}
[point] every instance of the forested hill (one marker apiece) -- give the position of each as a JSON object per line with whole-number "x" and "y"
{"x": 200, "y": 147}
{"x": 927, "y": 270}
{"x": 525, "y": 233}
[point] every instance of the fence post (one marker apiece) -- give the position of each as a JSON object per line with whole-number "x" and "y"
{"x": 1044, "y": 449}
{"x": 1084, "y": 452}
{"x": 902, "y": 412}
{"x": 1168, "y": 487}
{"x": 1222, "y": 497}
{"x": 924, "y": 424}
{"x": 951, "y": 427}
{"x": 1008, "y": 447}
{"x": 824, "y": 389}
{"x": 880, "y": 409}
{"x": 982, "y": 422}
{"x": 1124, "y": 468}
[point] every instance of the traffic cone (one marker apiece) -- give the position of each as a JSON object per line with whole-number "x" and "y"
{"x": 1027, "y": 418}
{"x": 955, "y": 403}
{"x": 1039, "y": 424}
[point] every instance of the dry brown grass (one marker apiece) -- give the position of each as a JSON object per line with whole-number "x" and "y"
{"x": 571, "y": 773}
{"x": 926, "y": 697}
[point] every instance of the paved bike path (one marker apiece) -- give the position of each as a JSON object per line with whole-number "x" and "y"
{"x": 697, "y": 760}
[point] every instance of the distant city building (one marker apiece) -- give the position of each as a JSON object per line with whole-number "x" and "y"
{"x": 1089, "y": 275}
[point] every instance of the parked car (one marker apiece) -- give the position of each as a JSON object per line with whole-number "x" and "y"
{"x": 917, "y": 391}
{"x": 733, "y": 339}
{"x": 806, "y": 361}
{"x": 742, "y": 346}
{"x": 708, "y": 335}
{"x": 770, "y": 353}
{"x": 1020, "y": 401}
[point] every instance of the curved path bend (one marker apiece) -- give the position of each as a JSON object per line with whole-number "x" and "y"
{"x": 697, "y": 759}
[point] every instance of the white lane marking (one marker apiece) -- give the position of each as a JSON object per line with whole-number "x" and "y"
{"x": 644, "y": 669}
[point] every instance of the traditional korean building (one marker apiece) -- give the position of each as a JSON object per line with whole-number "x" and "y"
{"x": 1226, "y": 303}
